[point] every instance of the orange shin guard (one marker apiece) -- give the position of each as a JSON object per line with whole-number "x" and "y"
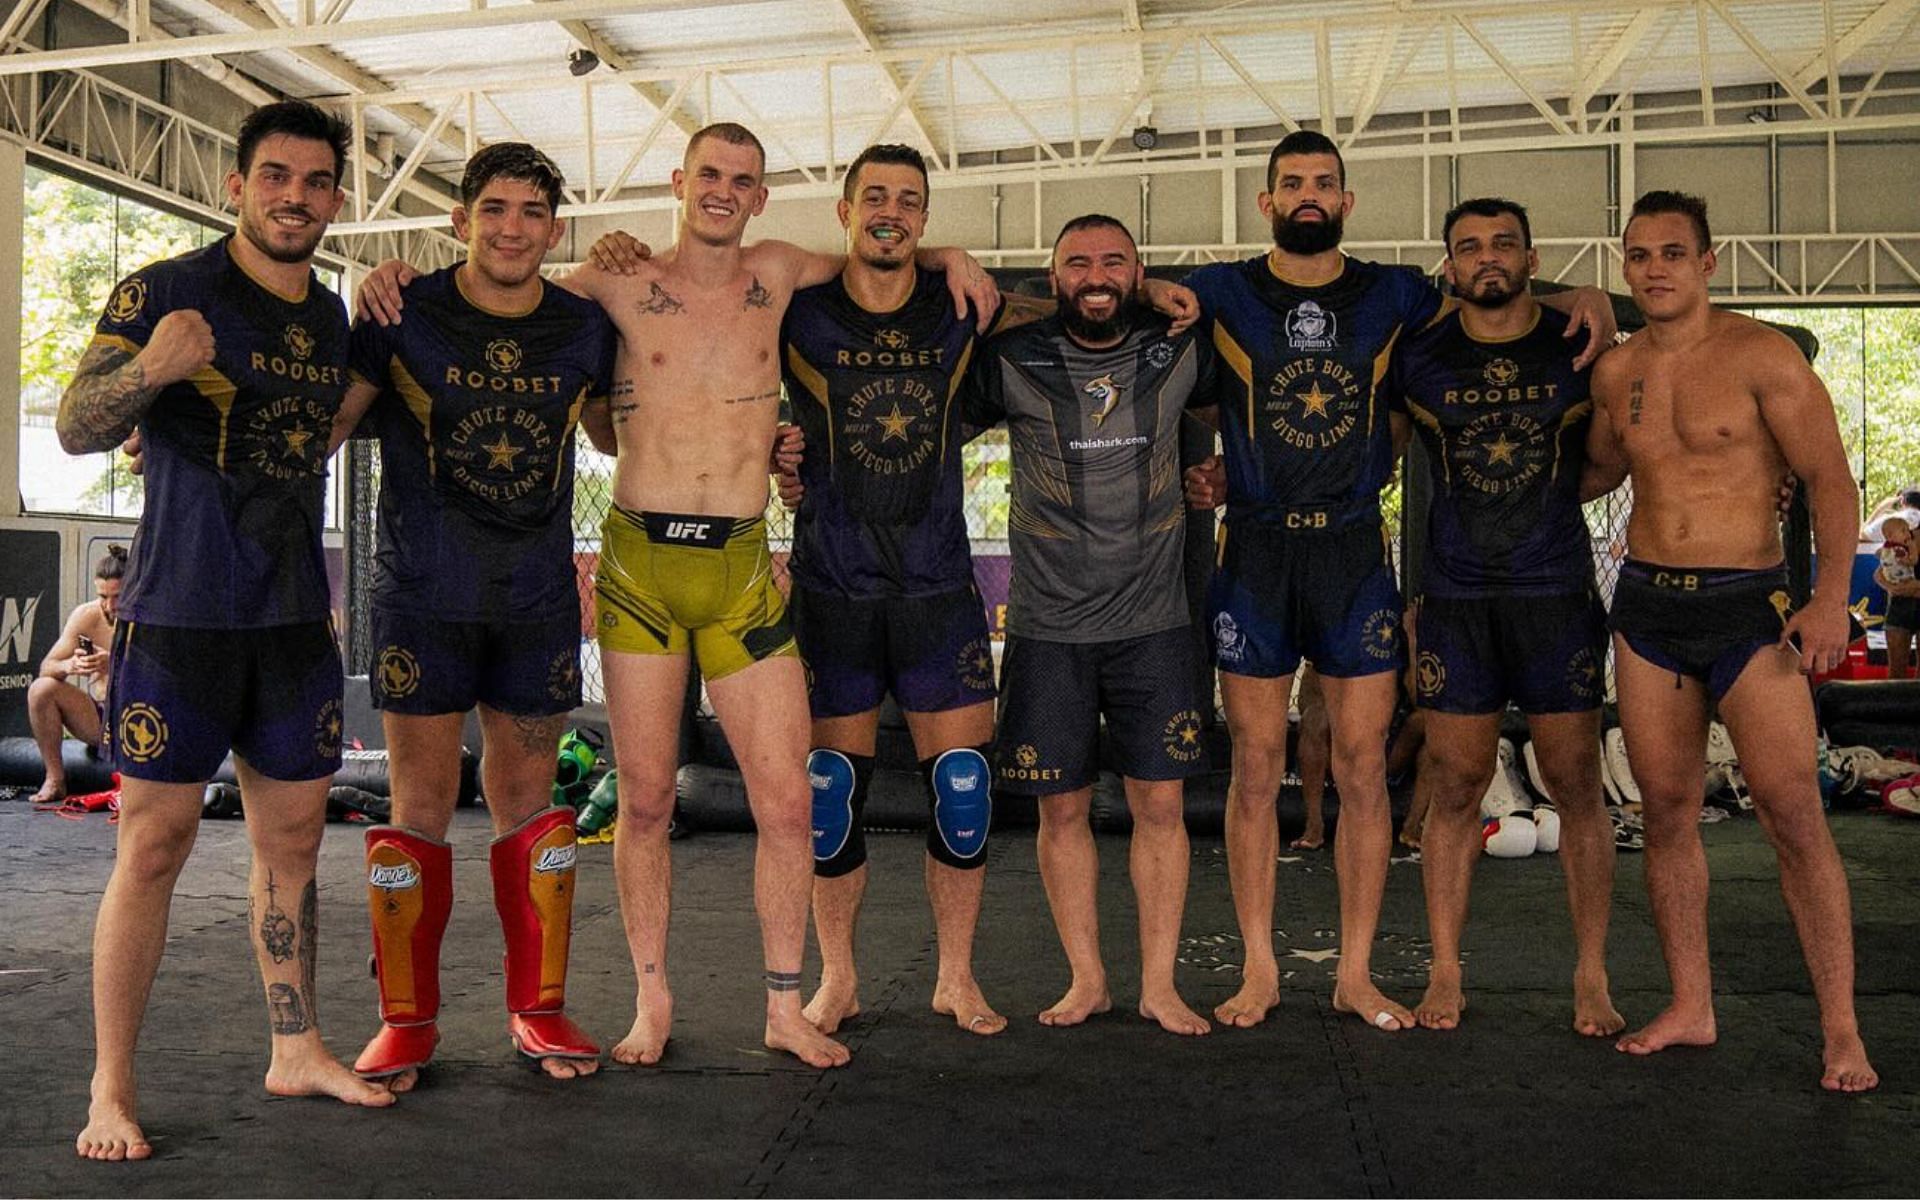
{"x": 410, "y": 894}
{"x": 533, "y": 866}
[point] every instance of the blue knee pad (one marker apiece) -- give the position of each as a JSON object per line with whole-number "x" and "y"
{"x": 839, "y": 784}
{"x": 959, "y": 782}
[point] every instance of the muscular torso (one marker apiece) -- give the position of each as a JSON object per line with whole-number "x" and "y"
{"x": 696, "y": 392}
{"x": 1705, "y": 467}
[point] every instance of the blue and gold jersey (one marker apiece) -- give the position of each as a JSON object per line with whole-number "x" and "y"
{"x": 1305, "y": 431}
{"x": 476, "y": 419}
{"x": 1505, "y": 429}
{"x": 235, "y": 457}
{"x": 875, "y": 395}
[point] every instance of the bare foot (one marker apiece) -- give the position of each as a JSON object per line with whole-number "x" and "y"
{"x": 1847, "y": 1068}
{"x": 962, "y": 1000}
{"x": 1441, "y": 1007}
{"x": 569, "y": 1068}
{"x": 1312, "y": 839}
{"x": 303, "y": 1067}
{"x": 1367, "y": 1002}
{"x": 1173, "y": 1014}
{"x": 1593, "y": 1011}
{"x": 646, "y": 1042}
{"x": 111, "y": 1135}
{"x": 399, "y": 1084}
{"x": 1671, "y": 1028}
{"x": 1250, "y": 1005}
{"x": 833, "y": 1005}
{"x": 52, "y": 792}
{"x": 793, "y": 1033}
{"x": 1080, "y": 1002}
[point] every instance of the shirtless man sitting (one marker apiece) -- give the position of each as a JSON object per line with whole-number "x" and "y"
{"x": 1705, "y": 410}
{"x": 57, "y": 705}
{"x": 684, "y": 564}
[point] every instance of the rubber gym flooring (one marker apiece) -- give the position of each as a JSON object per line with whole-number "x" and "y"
{"x": 1310, "y": 1103}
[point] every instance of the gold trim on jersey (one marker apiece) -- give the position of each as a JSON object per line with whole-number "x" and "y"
{"x": 1274, "y": 270}
{"x": 216, "y": 389}
{"x": 1240, "y": 361}
{"x": 305, "y": 282}
{"x": 816, "y": 385}
{"x": 954, "y": 381}
{"x": 418, "y": 403}
{"x": 460, "y": 286}
{"x": 1019, "y": 518}
{"x": 117, "y": 342}
{"x": 1512, "y": 337}
{"x": 1381, "y": 362}
{"x": 573, "y": 423}
{"x": 1427, "y": 418}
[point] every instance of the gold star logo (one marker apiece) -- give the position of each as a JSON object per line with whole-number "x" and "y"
{"x": 895, "y": 423}
{"x": 296, "y": 439}
{"x": 501, "y": 453}
{"x": 1500, "y": 450}
{"x": 1315, "y": 400}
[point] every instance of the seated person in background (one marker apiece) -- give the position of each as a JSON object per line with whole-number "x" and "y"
{"x": 56, "y": 704}
{"x": 1896, "y": 577}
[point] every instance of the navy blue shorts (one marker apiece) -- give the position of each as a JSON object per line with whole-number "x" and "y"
{"x": 1053, "y": 695}
{"x": 424, "y": 666}
{"x": 1325, "y": 595}
{"x": 1545, "y": 654}
{"x": 931, "y": 652}
{"x": 1703, "y": 622}
{"x": 179, "y": 699}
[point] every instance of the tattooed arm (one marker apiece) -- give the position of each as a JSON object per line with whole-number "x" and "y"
{"x": 113, "y": 389}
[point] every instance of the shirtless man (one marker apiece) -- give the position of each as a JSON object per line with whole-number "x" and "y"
{"x": 57, "y": 705}
{"x": 684, "y": 565}
{"x": 231, "y": 362}
{"x": 1706, "y": 410}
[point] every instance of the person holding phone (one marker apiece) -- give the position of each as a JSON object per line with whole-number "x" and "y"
{"x": 72, "y": 687}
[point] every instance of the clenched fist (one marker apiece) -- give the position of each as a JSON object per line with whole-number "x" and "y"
{"x": 181, "y": 344}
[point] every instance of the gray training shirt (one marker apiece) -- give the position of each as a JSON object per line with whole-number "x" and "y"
{"x": 1098, "y": 521}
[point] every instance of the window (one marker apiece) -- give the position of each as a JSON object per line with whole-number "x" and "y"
{"x": 1870, "y": 361}
{"x": 78, "y": 242}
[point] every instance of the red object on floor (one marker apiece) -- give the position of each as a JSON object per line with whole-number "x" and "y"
{"x": 1856, "y": 665}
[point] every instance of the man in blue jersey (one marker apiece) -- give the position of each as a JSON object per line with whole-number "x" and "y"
{"x": 475, "y": 397}
{"x": 1508, "y": 609}
{"x": 230, "y": 362}
{"x": 1304, "y": 335}
{"x": 883, "y": 597}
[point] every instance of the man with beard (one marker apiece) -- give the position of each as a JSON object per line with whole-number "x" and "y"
{"x": 474, "y": 600}
{"x": 1097, "y": 623}
{"x": 230, "y": 362}
{"x": 1706, "y": 410}
{"x": 1304, "y": 334}
{"x": 1508, "y": 610}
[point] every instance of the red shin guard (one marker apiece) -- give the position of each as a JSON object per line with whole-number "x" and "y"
{"x": 533, "y": 890}
{"x": 410, "y": 894}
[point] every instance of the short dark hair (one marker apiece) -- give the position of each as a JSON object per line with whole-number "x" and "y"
{"x": 1093, "y": 221}
{"x": 1305, "y": 141}
{"x": 1691, "y": 207}
{"x": 112, "y": 564}
{"x": 297, "y": 119}
{"x": 731, "y": 132}
{"x": 512, "y": 160}
{"x": 1485, "y": 206}
{"x": 891, "y": 154}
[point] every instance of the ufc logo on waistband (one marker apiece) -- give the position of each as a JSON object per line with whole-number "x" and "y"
{"x": 688, "y": 531}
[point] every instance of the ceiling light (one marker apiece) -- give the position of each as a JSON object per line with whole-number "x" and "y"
{"x": 583, "y": 62}
{"x": 1145, "y": 137}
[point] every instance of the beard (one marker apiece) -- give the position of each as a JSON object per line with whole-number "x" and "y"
{"x": 1308, "y": 237}
{"x": 298, "y": 252}
{"x": 1087, "y": 329}
{"x": 1499, "y": 289}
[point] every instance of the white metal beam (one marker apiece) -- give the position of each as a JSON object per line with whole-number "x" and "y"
{"x": 864, "y": 34}
{"x": 1850, "y": 43}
